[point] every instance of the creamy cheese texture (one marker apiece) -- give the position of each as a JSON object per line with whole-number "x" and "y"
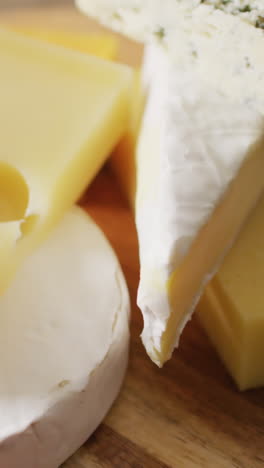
{"x": 200, "y": 156}
{"x": 58, "y": 123}
{"x": 63, "y": 347}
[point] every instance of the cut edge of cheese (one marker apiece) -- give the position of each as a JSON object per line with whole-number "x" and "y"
{"x": 178, "y": 295}
{"x": 231, "y": 308}
{"x": 61, "y": 400}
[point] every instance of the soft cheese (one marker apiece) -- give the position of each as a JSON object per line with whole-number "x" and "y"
{"x": 200, "y": 157}
{"x": 59, "y": 119}
{"x": 64, "y": 345}
{"x": 232, "y": 307}
{"x": 224, "y": 47}
{"x": 196, "y": 147}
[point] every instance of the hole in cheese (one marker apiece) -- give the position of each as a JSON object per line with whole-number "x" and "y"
{"x": 14, "y": 194}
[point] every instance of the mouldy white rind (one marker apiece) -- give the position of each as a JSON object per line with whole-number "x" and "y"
{"x": 63, "y": 346}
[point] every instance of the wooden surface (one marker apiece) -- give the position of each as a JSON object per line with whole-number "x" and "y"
{"x": 189, "y": 414}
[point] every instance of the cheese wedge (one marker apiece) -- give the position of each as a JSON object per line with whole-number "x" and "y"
{"x": 61, "y": 114}
{"x": 64, "y": 345}
{"x": 231, "y": 309}
{"x": 199, "y": 161}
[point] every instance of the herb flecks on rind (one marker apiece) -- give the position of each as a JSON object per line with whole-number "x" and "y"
{"x": 248, "y": 12}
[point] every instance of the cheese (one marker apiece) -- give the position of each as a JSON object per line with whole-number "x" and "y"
{"x": 224, "y": 46}
{"x": 231, "y": 309}
{"x": 200, "y": 157}
{"x": 104, "y": 46}
{"x": 192, "y": 193}
{"x": 64, "y": 345}
{"x": 59, "y": 119}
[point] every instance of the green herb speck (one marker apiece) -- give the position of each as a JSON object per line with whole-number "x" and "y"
{"x": 260, "y": 22}
{"x": 117, "y": 16}
{"x": 248, "y": 64}
{"x": 160, "y": 33}
{"x": 245, "y": 9}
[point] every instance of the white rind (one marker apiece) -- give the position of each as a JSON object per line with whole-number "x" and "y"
{"x": 123, "y": 13}
{"x": 54, "y": 397}
{"x": 225, "y": 49}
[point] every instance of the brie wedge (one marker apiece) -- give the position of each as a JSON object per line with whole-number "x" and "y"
{"x": 199, "y": 160}
{"x": 63, "y": 347}
{"x": 200, "y": 166}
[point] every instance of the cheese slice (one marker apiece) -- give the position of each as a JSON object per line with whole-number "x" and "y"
{"x": 231, "y": 309}
{"x": 59, "y": 119}
{"x": 64, "y": 345}
{"x": 199, "y": 160}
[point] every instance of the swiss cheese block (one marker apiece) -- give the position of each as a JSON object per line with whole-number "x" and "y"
{"x": 61, "y": 114}
{"x": 199, "y": 160}
{"x": 64, "y": 327}
{"x": 232, "y": 307}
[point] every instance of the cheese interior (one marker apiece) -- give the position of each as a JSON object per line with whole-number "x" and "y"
{"x": 59, "y": 121}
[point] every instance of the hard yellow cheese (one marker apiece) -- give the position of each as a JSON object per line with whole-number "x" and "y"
{"x": 61, "y": 114}
{"x": 232, "y": 307}
{"x": 104, "y": 46}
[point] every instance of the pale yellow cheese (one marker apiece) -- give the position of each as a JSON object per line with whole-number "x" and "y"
{"x": 61, "y": 114}
{"x": 122, "y": 159}
{"x": 232, "y": 307}
{"x": 104, "y": 46}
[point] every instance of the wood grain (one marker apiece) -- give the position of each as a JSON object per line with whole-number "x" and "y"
{"x": 189, "y": 414}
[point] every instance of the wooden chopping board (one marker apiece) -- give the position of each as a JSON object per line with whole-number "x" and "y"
{"x": 189, "y": 414}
